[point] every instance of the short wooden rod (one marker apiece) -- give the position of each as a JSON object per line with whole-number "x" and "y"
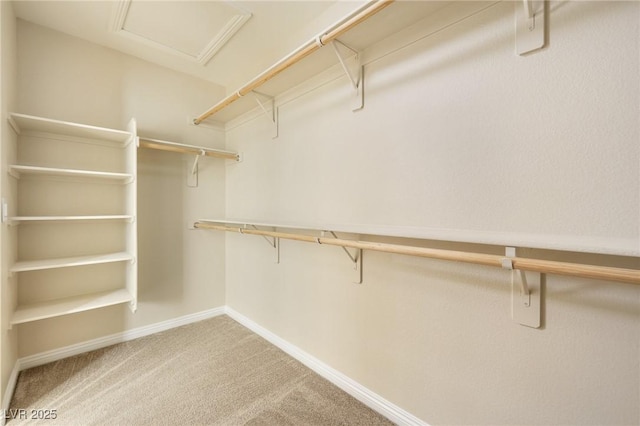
{"x": 186, "y": 149}
{"x": 631, "y": 276}
{"x": 311, "y": 46}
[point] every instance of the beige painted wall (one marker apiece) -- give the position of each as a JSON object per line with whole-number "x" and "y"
{"x": 459, "y": 132}
{"x": 180, "y": 271}
{"x": 8, "y": 78}
{"x": 445, "y": 140}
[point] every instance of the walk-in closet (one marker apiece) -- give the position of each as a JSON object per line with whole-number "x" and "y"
{"x": 320, "y": 212}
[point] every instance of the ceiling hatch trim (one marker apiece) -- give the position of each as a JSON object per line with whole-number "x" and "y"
{"x": 207, "y": 46}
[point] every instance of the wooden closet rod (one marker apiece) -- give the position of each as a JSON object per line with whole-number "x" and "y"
{"x": 186, "y": 149}
{"x": 536, "y": 265}
{"x": 311, "y": 46}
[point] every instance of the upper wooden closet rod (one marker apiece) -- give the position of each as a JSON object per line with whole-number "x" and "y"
{"x": 311, "y": 46}
{"x": 186, "y": 149}
{"x": 524, "y": 264}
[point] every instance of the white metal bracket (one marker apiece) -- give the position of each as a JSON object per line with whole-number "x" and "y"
{"x": 526, "y": 289}
{"x": 272, "y": 115}
{"x": 355, "y": 73}
{"x": 192, "y": 174}
{"x": 274, "y": 242}
{"x": 5, "y": 211}
{"x": 530, "y": 25}
{"x": 355, "y": 258}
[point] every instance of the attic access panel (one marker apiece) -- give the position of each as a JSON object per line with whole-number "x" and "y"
{"x": 192, "y": 30}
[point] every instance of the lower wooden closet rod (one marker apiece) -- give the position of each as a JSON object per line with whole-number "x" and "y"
{"x": 536, "y": 265}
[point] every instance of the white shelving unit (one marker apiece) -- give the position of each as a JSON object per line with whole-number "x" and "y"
{"x": 72, "y": 161}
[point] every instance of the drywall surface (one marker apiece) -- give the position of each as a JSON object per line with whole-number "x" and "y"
{"x": 8, "y": 80}
{"x": 180, "y": 271}
{"x": 459, "y": 132}
{"x": 457, "y": 124}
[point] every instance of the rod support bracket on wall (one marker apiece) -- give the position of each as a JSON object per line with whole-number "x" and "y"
{"x": 192, "y": 177}
{"x": 194, "y": 169}
{"x": 274, "y": 242}
{"x": 530, "y": 25}
{"x": 4, "y": 208}
{"x": 355, "y": 258}
{"x": 272, "y": 115}
{"x": 526, "y": 289}
{"x": 355, "y": 72}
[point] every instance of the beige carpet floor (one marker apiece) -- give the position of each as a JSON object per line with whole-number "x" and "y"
{"x": 214, "y": 372}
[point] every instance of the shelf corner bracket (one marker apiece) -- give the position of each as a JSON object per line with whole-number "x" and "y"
{"x": 526, "y": 289}
{"x": 355, "y": 258}
{"x": 192, "y": 179}
{"x": 13, "y": 124}
{"x": 274, "y": 243}
{"x": 530, "y": 25}
{"x": 272, "y": 115}
{"x": 355, "y": 73}
{"x": 4, "y": 206}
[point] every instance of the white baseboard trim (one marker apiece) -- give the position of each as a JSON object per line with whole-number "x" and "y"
{"x": 11, "y": 386}
{"x": 101, "y": 342}
{"x": 91, "y": 345}
{"x": 362, "y": 394}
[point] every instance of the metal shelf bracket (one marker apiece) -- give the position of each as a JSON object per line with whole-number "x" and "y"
{"x": 192, "y": 178}
{"x": 355, "y": 258}
{"x": 273, "y": 242}
{"x": 530, "y": 25}
{"x": 272, "y": 115}
{"x": 355, "y": 73}
{"x": 4, "y": 207}
{"x": 526, "y": 289}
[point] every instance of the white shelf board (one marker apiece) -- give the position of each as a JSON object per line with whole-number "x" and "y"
{"x": 71, "y": 305}
{"x": 281, "y": 225}
{"x": 582, "y": 244}
{"x": 20, "y": 219}
{"x": 67, "y": 262}
{"x": 23, "y": 123}
{"x": 19, "y": 170}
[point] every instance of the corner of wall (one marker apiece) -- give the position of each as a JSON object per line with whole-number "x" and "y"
{"x": 8, "y": 78}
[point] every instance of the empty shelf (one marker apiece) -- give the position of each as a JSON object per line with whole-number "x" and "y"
{"x": 67, "y": 262}
{"x": 27, "y": 123}
{"x": 20, "y": 219}
{"x": 17, "y": 171}
{"x": 250, "y": 223}
{"x": 54, "y": 308}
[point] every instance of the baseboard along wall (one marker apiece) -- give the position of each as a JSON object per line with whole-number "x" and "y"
{"x": 91, "y": 345}
{"x": 362, "y": 394}
{"x": 353, "y": 388}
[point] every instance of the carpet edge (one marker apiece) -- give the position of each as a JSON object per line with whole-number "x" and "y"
{"x": 353, "y": 388}
{"x": 112, "y": 339}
